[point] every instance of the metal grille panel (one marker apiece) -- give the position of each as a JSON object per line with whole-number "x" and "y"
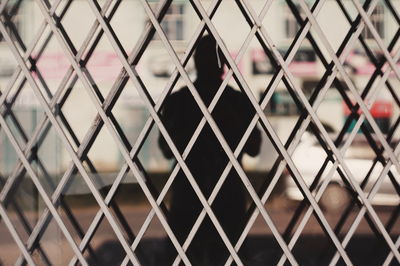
{"x": 27, "y": 75}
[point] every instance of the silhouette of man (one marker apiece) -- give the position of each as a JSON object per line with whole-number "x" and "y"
{"x": 207, "y": 159}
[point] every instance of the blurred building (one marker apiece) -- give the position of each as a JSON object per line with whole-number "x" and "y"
{"x": 155, "y": 68}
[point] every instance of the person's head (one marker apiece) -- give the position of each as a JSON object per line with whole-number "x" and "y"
{"x": 206, "y": 59}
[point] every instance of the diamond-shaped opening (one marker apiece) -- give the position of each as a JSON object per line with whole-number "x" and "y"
{"x": 176, "y": 29}
{"x": 289, "y": 27}
{"x": 47, "y": 157}
{"x": 129, "y": 114}
{"x": 225, "y": 107}
{"x": 310, "y": 159}
{"x": 72, "y": 208}
{"x": 350, "y": 9}
{"x": 55, "y": 244}
{"x": 365, "y": 170}
{"x": 77, "y": 211}
{"x": 284, "y": 197}
{"x": 260, "y": 246}
{"x": 130, "y": 200}
{"x": 23, "y": 206}
{"x": 336, "y": 34}
{"x": 391, "y": 221}
{"x": 150, "y": 155}
{"x": 381, "y": 109}
{"x": 261, "y": 71}
{"x": 257, "y": 6}
{"x": 108, "y": 251}
{"x": 128, "y": 22}
{"x": 307, "y": 63}
{"x": 206, "y": 245}
{"x": 29, "y": 25}
{"x": 20, "y": 123}
{"x": 10, "y": 158}
{"x": 337, "y": 200}
{"x": 365, "y": 247}
{"x": 104, "y": 159}
{"x": 9, "y": 250}
{"x": 20, "y": 107}
{"x": 50, "y": 67}
{"x": 331, "y": 120}
{"x": 264, "y": 161}
{"x": 361, "y": 62}
{"x": 154, "y": 68}
{"x": 106, "y": 247}
{"x": 173, "y": 117}
{"x": 388, "y": 192}
{"x": 282, "y": 104}
{"x": 69, "y": 20}
{"x": 155, "y": 246}
{"x": 103, "y": 65}
{"x": 321, "y": 246}
{"x": 176, "y": 25}
{"x": 155, "y": 169}
{"x": 205, "y": 4}
{"x": 391, "y": 21}
{"x": 295, "y": 201}
{"x": 39, "y": 256}
{"x": 76, "y": 123}
{"x": 228, "y": 13}
{"x": 230, "y": 211}
{"x": 9, "y": 65}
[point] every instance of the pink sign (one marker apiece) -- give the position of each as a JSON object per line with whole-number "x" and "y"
{"x": 303, "y": 65}
{"x": 362, "y": 65}
{"x": 103, "y": 66}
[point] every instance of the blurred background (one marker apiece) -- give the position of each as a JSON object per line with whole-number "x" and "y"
{"x": 74, "y": 109}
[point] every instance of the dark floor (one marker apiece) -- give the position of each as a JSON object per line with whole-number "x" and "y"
{"x": 311, "y": 250}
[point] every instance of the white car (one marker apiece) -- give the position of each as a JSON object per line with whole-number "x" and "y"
{"x": 309, "y": 157}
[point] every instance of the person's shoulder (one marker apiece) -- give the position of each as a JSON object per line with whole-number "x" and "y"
{"x": 236, "y": 94}
{"x": 177, "y": 96}
{"x": 240, "y": 100}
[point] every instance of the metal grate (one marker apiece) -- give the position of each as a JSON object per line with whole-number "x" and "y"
{"x": 335, "y": 73}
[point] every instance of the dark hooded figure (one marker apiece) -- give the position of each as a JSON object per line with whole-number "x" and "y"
{"x": 207, "y": 159}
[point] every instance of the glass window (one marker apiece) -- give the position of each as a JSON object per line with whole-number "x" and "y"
{"x": 172, "y": 22}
